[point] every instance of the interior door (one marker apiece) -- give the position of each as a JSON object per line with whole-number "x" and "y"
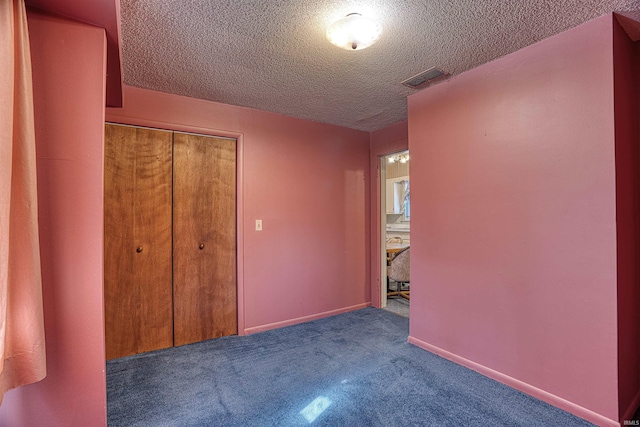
{"x": 137, "y": 234}
{"x": 204, "y": 230}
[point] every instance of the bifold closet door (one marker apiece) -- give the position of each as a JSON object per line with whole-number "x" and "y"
{"x": 204, "y": 233}
{"x": 137, "y": 233}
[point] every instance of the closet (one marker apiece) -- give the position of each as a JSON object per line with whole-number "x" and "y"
{"x": 170, "y": 239}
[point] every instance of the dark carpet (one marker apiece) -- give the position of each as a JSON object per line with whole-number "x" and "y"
{"x": 353, "y": 369}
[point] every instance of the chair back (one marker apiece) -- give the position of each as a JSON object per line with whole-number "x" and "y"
{"x": 400, "y": 267}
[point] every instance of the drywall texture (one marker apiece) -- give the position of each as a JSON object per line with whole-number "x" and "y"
{"x": 68, "y": 83}
{"x": 309, "y": 184}
{"x": 513, "y": 225}
{"x": 274, "y": 56}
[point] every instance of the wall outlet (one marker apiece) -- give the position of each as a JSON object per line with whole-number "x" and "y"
{"x": 258, "y": 225}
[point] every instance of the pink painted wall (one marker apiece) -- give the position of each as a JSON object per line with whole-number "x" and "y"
{"x": 392, "y": 139}
{"x": 627, "y": 191}
{"x": 307, "y": 181}
{"x": 100, "y": 13}
{"x": 69, "y": 80}
{"x": 513, "y": 230}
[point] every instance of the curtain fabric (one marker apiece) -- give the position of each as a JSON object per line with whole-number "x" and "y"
{"x": 22, "y": 351}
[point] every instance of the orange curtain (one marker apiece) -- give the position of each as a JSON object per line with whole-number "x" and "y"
{"x": 22, "y": 352}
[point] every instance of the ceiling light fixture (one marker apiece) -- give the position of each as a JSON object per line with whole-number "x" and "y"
{"x": 402, "y": 158}
{"x": 354, "y": 32}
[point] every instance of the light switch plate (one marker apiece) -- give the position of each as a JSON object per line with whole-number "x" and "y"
{"x": 258, "y": 225}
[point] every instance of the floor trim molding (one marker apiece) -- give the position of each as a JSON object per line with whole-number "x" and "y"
{"x": 547, "y": 397}
{"x": 303, "y": 319}
{"x": 633, "y": 407}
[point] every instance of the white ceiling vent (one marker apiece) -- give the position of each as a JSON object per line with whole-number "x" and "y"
{"x": 425, "y": 78}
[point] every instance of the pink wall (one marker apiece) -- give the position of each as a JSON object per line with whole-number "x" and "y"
{"x": 513, "y": 229}
{"x": 392, "y": 139}
{"x": 68, "y": 72}
{"x": 626, "y": 136}
{"x": 101, "y": 13}
{"x": 307, "y": 181}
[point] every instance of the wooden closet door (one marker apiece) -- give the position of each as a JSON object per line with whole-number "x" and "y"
{"x": 137, "y": 233}
{"x": 204, "y": 230}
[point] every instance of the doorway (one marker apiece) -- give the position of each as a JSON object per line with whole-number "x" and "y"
{"x": 395, "y": 227}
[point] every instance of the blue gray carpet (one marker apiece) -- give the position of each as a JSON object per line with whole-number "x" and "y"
{"x": 353, "y": 369}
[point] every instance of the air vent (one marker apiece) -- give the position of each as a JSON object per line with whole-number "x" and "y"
{"x": 425, "y": 78}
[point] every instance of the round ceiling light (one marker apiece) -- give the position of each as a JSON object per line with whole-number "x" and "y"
{"x": 354, "y": 32}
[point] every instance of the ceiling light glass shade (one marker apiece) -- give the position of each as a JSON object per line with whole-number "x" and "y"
{"x": 354, "y": 32}
{"x": 402, "y": 158}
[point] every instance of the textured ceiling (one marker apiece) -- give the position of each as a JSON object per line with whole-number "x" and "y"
{"x": 273, "y": 55}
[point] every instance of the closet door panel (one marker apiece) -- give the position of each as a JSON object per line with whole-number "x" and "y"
{"x": 138, "y": 252}
{"x": 204, "y": 221}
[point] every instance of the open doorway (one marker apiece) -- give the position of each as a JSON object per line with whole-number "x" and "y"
{"x": 395, "y": 228}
